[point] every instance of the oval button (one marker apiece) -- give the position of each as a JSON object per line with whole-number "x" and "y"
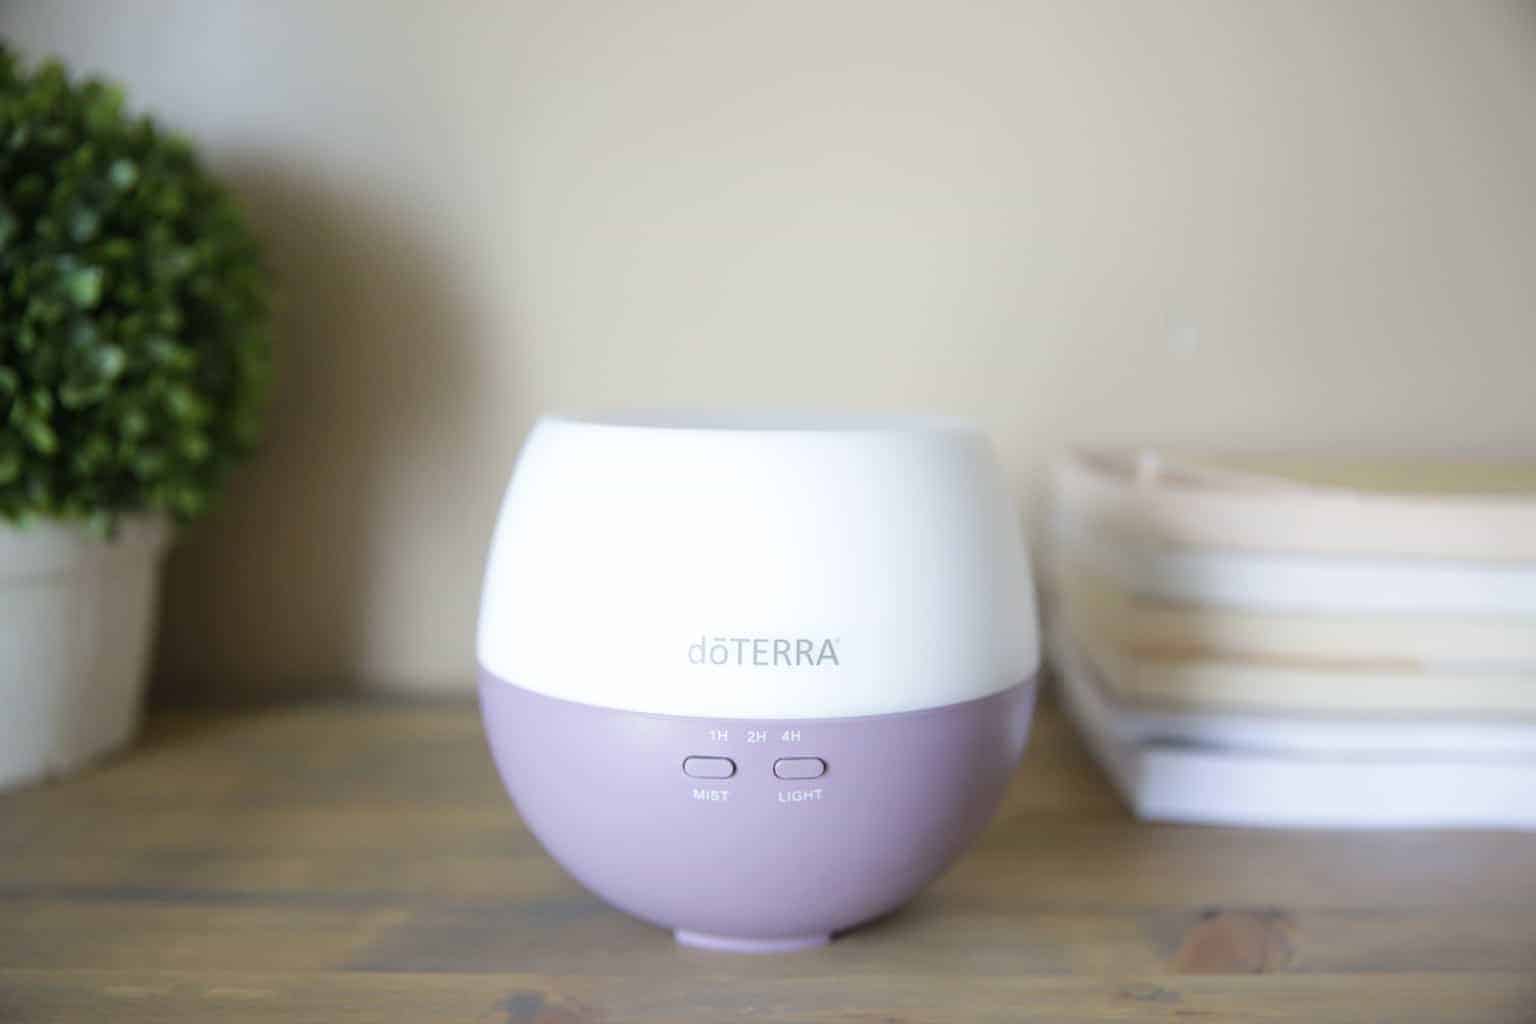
{"x": 799, "y": 768}
{"x": 709, "y": 767}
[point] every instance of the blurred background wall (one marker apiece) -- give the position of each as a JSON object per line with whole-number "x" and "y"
{"x": 1253, "y": 224}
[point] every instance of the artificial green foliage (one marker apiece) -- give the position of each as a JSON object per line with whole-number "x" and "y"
{"x": 134, "y": 349}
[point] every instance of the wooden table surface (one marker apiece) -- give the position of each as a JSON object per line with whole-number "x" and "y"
{"x": 361, "y": 863}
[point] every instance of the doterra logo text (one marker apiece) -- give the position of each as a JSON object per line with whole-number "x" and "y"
{"x": 763, "y": 651}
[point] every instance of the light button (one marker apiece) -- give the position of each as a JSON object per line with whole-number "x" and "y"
{"x": 709, "y": 767}
{"x": 799, "y": 768}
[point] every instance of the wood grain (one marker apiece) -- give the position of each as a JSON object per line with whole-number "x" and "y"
{"x": 362, "y": 863}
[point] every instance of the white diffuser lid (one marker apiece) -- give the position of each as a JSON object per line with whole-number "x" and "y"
{"x": 750, "y": 566}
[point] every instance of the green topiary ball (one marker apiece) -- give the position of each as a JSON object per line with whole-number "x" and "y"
{"x": 134, "y": 345}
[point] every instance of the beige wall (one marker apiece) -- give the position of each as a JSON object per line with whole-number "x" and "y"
{"x": 1279, "y": 223}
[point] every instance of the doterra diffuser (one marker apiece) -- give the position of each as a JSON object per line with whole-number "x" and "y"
{"x": 756, "y": 679}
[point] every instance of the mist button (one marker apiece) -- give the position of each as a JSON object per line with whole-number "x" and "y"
{"x": 708, "y": 767}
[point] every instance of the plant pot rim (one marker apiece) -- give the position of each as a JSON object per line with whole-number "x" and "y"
{"x": 50, "y": 547}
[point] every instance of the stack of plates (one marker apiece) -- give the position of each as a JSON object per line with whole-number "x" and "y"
{"x": 1273, "y": 641}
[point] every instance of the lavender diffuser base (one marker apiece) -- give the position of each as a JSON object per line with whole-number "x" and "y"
{"x": 762, "y": 835}
{"x": 723, "y": 944}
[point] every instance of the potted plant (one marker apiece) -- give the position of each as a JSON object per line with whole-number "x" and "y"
{"x": 133, "y": 364}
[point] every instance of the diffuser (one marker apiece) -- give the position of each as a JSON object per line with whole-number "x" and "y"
{"x": 756, "y": 679}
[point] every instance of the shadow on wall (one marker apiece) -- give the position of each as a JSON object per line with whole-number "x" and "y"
{"x": 271, "y": 594}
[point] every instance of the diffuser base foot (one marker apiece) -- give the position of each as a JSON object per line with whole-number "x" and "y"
{"x": 727, "y": 944}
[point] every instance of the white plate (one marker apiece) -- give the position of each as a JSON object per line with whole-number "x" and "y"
{"x": 1214, "y": 785}
{"x": 1135, "y": 722}
{"x": 1303, "y": 583}
{"x": 1158, "y": 627}
{"x": 1429, "y": 508}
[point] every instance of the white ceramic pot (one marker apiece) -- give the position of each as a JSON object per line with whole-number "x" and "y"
{"x": 77, "y": 616}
